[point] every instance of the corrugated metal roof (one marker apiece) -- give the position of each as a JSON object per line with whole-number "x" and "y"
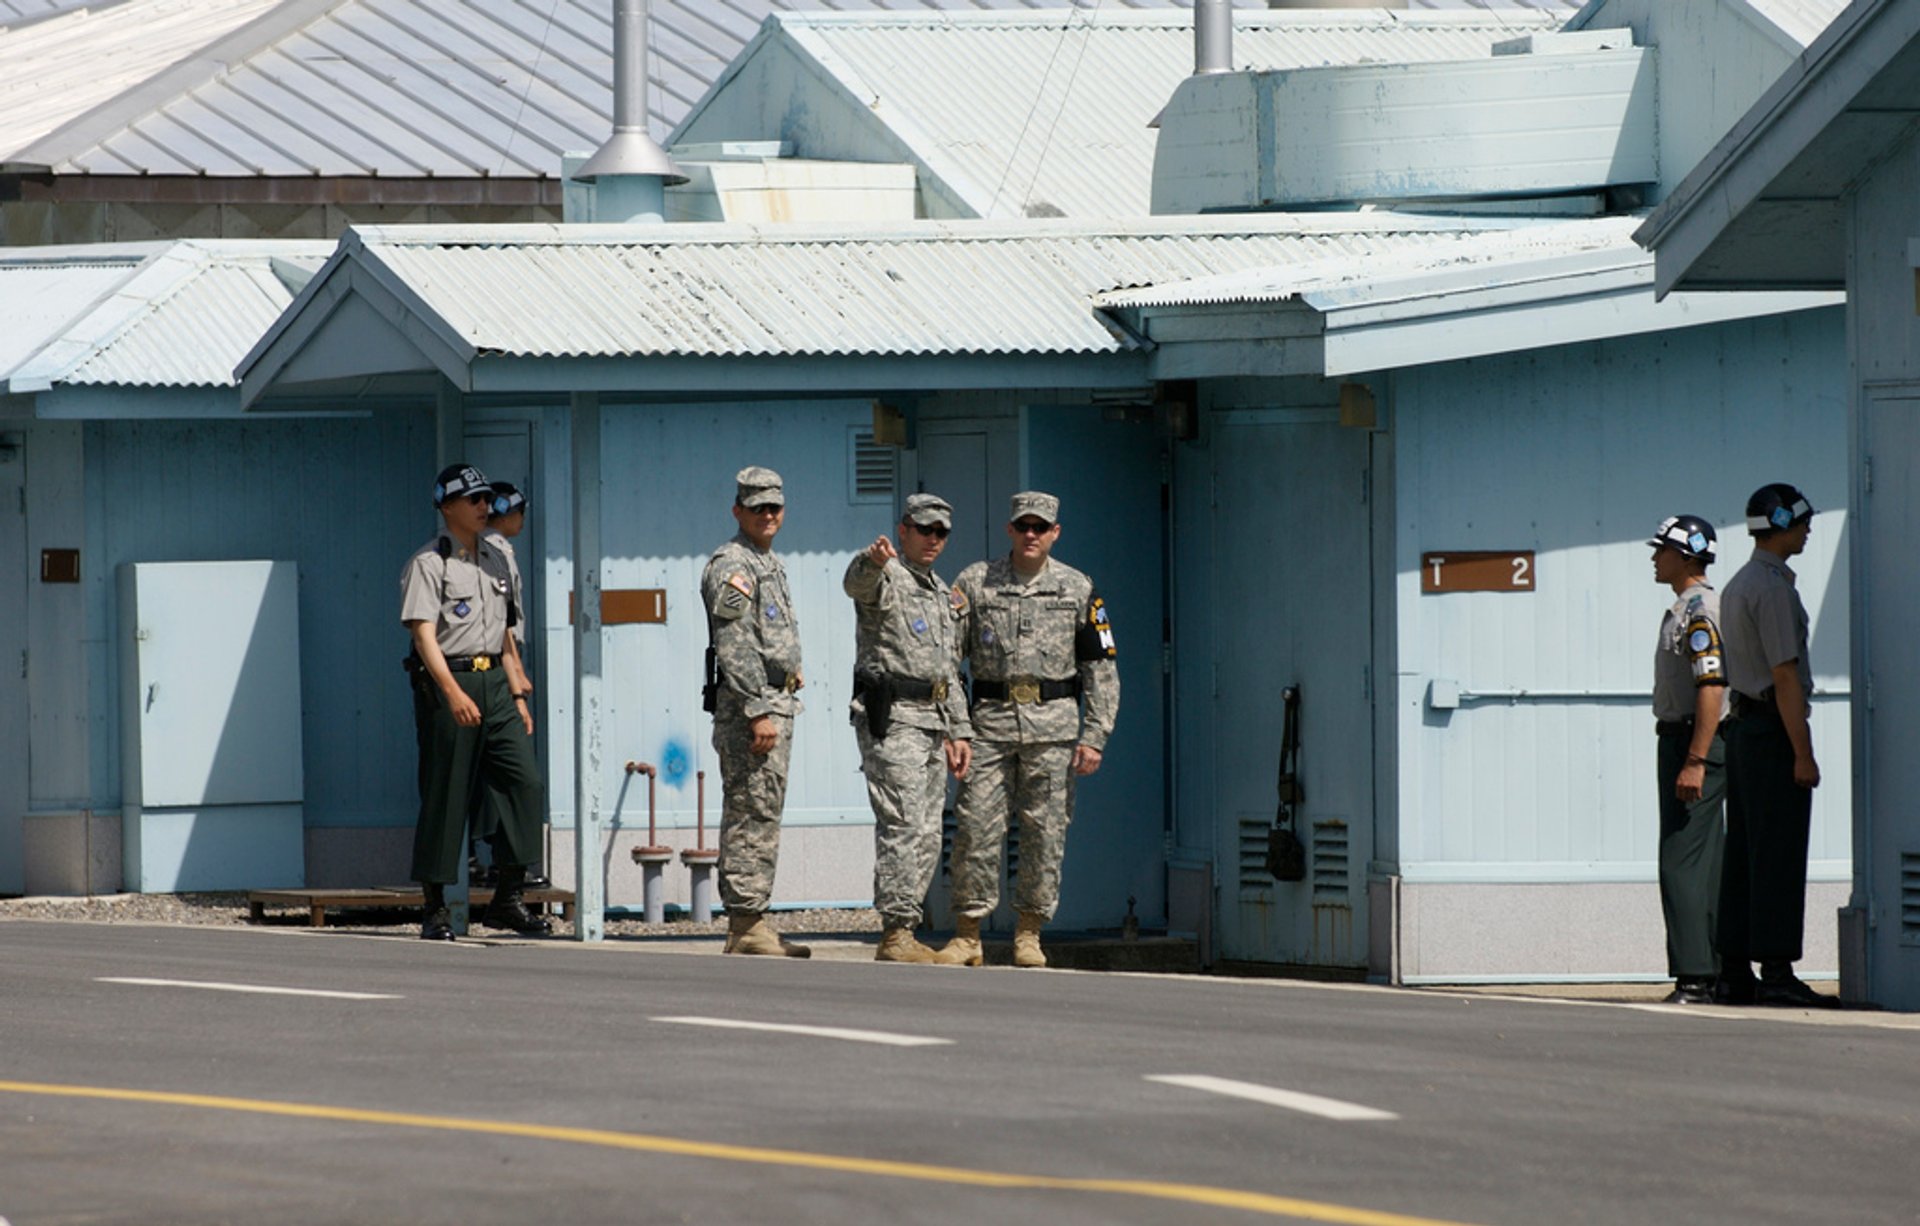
{"x": 1412, "y": 270}
{"x": 19, "y": 12}
{"x": 1801, "y": 20}
{"x": 1060, "y": 126}
{"x": 926, "y": 289}
{"x": 148, "y": 315}
{"x": 359, "y": 87}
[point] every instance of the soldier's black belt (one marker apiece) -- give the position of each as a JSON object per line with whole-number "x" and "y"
{"x": 456, "y": 664}
{"x": 1025, "y": 690}
{"x": 906, "y": 687}
{"x": 1673, "y": 727}
{"x": 781, "y": 679}
{"x": 1744, "y": 706}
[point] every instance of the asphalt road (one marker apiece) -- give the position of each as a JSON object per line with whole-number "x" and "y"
{"x": 534, "y": 1082}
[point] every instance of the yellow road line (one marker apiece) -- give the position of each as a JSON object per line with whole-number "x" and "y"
{"x": 1197, "y": 1194}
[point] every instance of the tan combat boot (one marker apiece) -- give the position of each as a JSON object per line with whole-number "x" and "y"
{"x": 897, "y": 945}
{"x": 749, "y": 934}
{"x": 1026, "y": 940}
{"x": 964, "y": 949}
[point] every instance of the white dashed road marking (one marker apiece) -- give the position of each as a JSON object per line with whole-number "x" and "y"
{"x": 248, "y": 987}
{"x": 1292, "y": 1100}
{"x": 818, "y": 1032}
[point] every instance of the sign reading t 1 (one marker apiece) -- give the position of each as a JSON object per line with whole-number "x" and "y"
{"x": 1477, "y": 570}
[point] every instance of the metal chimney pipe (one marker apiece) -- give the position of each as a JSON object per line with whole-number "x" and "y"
{"x": 631, "y": 150}
{"x": 1212, "y": 36}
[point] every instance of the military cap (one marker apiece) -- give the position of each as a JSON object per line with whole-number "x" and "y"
{"x": 507, "y": 499}
{"x": 927, "y": 510}
{"x": 459, "y": 481}
{"x": 1036, "y": 504}
{"x": 757, "y": 487}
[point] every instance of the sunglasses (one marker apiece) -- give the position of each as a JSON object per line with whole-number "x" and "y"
{"x": 933, "y": 530}
{"x": 1032, "y": 527}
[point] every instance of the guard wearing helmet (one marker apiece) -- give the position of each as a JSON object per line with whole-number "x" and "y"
{"x": 456, "y": 601}
{"x": 1689, "y": 699}
{"x": 1771, "y": 772}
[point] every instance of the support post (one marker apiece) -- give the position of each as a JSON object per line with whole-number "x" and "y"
{"x": 590, "y": 883}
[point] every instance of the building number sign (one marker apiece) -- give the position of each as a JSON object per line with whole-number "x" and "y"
{"x": 1483, "y": 570}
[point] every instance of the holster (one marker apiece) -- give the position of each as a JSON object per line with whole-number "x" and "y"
{"x": 877, "y": 697}
{"x": 710, "y": 690}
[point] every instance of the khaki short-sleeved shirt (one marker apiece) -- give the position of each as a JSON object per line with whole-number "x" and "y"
{"x": 463, "y": 595}
{"x": 1690, "y": 655}
{"x": 1764, "y": 624}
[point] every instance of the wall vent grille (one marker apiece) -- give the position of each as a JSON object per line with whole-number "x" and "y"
{"x": 1253, "y": 854}
{"x": 1331, "y": 866}
{"x": 871, "y": 468}
{"x": 1910, "y": 896}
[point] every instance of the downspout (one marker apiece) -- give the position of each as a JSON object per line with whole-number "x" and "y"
{"x": 631, "y": 172}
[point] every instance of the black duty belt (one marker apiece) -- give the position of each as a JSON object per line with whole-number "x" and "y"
{"x": 906, "y": 687}
{"x": 455, "y": 664}
{"x": 781, "y": 679}
{"x": 1673, "y": 727}
{"x": 1025, "y": 690}
{"x": 1744, "y": 706}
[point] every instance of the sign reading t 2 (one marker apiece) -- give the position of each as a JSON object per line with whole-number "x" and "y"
{"x": 1477, "y": 570}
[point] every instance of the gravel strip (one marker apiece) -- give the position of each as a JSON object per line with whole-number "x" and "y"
{"x": 230, "y": 910}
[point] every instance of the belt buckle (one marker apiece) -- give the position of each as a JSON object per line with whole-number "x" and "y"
{"x": 940, "y": 690}
{"x": 1025, "y": 690}
{"x": 792, "y": 683}
{"x": 482, "y": 664}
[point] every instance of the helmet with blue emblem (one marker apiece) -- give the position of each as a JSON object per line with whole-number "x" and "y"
{"x": 1688, "y": 535}
{"x": 506, "y": 500}
{"x": 1777, "y": 507}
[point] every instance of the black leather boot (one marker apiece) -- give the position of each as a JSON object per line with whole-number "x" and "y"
{"x": 509, "y": 910}
{"x": 436, "y": 923}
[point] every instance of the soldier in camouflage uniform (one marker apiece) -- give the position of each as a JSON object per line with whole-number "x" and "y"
{"x": 1037, "y": 638}
{"x": 908, "y": 712}
{"x": 753, "y": 677}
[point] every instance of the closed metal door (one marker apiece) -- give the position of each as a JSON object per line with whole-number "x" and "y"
{"x": 1292, "y": 606}
{"x": 14, "y": 578}
{"x": 1892, "y": 506}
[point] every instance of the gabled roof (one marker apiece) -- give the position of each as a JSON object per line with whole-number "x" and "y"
{"x": 1794, "y": 23}
{"x": 1060, "y": 127}
{"x": 149, "y": 315}
{"x": 1765, "y": 209}
{"x": 394, "y": 88}
{"x": 1526, "y": 288}
{"x": 622, "y": 308}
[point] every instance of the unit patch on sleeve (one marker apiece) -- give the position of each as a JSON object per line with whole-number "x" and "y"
{"x": 734, "y": 596}
{"x": 1704, "y": 652}
{"x": 1094, "y": 640}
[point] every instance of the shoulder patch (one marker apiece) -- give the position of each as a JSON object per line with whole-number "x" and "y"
{"x": 1094, "y": 641}
{"x": 957, "y": 600}
{"x": 741, "y": 583}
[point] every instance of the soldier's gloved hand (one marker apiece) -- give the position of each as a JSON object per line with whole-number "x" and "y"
{"x": 465, "y": 712}
{"x": 764, "y": 735}
{"x": 1086, "y": 759}
{"x": 881, "y": 549}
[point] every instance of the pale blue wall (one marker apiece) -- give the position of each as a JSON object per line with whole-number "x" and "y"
{"x": 347, "y": 499}
{"x": 1576, "y": 453}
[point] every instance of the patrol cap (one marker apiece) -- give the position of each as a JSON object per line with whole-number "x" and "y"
{"x": 1776, "y": 506}
{"x": 1036, "y": 504}
{"x": 758, "y": 487}
{"x": 927, "y": 510}
{"x": 459, "y": 481}
{"x": 1688, "y": 535}
{"x": 506, "y": 500}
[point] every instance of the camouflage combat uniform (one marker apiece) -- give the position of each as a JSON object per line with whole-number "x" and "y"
{"x": 1029, "y": 638}
{"x": 905, "y": 619}
{"x": 757, "y": 644}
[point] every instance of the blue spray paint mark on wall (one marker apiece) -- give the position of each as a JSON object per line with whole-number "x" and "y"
{"x": 673, "y": 764}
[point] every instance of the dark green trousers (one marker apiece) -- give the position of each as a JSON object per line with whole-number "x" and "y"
{"x": 1763, "y": 889}
{"x": 1692, "y": 845}
{"x": 492, "y": 764}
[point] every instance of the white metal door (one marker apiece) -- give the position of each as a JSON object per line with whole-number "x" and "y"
{"x": 1292, "y": 606}
{"x": 14, "y": 578}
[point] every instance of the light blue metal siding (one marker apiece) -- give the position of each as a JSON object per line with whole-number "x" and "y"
{"x": 668, "y": 496}
{"x": 346, "y": 499}
{"x": 1576, "y": 454}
